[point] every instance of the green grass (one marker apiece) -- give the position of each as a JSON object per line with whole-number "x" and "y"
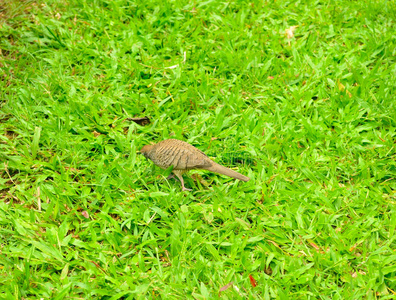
{"x": 311, "y": 119}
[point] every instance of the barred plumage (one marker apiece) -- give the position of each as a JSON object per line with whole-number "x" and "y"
{"x": 183, "y": 157}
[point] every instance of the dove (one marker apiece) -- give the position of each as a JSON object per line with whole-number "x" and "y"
{"x": 184, "y": 157}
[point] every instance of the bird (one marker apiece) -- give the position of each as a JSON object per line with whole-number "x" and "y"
{"x": 184, "y": 157}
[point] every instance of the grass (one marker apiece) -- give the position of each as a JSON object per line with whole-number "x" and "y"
{"x": 311, "y": 119}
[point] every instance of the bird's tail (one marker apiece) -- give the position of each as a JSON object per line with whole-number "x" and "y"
{"x": 226, "y": 171}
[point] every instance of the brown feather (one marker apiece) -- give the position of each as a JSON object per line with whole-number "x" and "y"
{"x": 183, "y": 157}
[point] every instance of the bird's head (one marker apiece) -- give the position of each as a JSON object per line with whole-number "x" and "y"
{"x": 146, "y": 150}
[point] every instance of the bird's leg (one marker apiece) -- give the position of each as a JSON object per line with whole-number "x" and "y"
{"x": 182, "y": 182}
{"x": 170, "y": 176}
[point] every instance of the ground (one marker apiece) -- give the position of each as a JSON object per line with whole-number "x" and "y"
{"x": 297, "y": 95}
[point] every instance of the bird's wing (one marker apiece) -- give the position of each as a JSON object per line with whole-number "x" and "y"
{"x": 191, "y": 159}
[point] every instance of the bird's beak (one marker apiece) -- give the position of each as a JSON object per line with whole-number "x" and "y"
{"x": 141, "y": 153}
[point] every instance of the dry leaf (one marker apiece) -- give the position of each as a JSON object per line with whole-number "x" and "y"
{"x": 273, "y": 243}
{"x": 85, "y": 214}
{"x": 141, "y": 121}
{"x": 199, "y": 178}
{"x": 95, "y": 133}
{"x": 341, "y": 87}
{"x": 290, "y": 32}
{"x": 268, "y": 270}
{"x": 253, "y": 282}
{"x": 72, "y": 169}
{"x": 96, "y": 264}
{"x": 38, "y": 198}
{"x": 314, "y": 245}
{"x": 362, "y": 272}
{"x": 352, "y": 248}
{"x": 224, "y": 288}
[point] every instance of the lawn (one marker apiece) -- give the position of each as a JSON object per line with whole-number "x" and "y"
{"x": 298, "y": 95}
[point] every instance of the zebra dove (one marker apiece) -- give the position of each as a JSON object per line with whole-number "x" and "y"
{"x": 183, "y": 157}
